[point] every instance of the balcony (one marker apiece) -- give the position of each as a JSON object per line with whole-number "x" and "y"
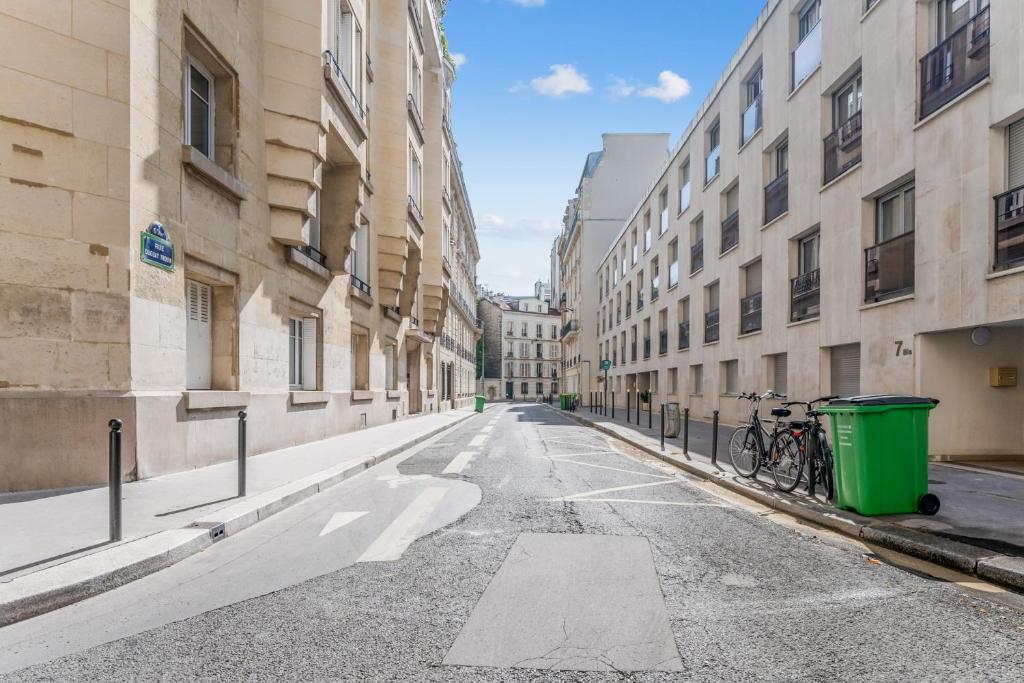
{"x": 956, "y": 65}
{"x": 341, "y": 78}
{"x": 571, "y": 327}
{"x": 776, "y": 198}
{"x": 684, "y": 335}
{"x": 361, "y": 286}
{"x": 696, "y": 256}
{"x": 805, "y": 296}
{"x": 662, "y": 342}
{"x": 713, "y": 164}
{"x": 647, "y": 348}
{"x": 807, "y": 56}
{"x": 684, "y": 197}
{"x": 311, "y": 253}
{"x": 730, "y": 231}
{"x": 1010, "y": 229}
{"x": 751, "y": 120}
{"x": 842, "y": 148}
{"x": 711, "y": 326}
{"x": 889, "y": 268}
{"x": 750, "y": 313}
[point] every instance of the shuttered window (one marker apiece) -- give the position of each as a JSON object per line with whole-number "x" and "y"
{"x": 302, "y": 345}
{"x": 199, "y": 335}
{"x": 1016, "y": 155}
{"x": 846, "y": 370}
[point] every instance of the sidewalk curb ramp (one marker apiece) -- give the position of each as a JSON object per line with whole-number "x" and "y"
{"x": 48, "y": 589}
{"x": 1005, "y": 570}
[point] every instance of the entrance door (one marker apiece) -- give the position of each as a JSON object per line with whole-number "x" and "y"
{"x": 508, "y": 390}
{"x": 413, "y": 380}
{"x": 451, "y": 383}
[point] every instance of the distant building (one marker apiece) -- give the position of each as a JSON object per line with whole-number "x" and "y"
{"x": 521, "y": 347}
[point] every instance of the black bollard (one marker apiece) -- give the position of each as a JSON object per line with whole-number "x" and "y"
{"x": 714, "y": 439}
{"x": 662, "y": 426}
{"x": 686, "y": 430}
{"x": 241, "y": 453}
{"x": 613, "y": 405}
{"x": 114, "y": 453}
{"x": 628, "y": 406}
{"x": 650, "y": 413}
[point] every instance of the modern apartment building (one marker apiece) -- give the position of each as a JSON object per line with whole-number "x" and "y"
{"x": 611, "y": 183}
{"x": 522, "y": 349}
{"x": 215, "y": 206}
{"x": 844, "y": 215}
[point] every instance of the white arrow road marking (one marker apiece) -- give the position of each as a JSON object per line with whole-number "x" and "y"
{"x": 633, "y": 500}
{"x": 459, "y": 462}
{"x": 478, "y": 440}
{"x": 340, "y": 519}
{"x": 400, "y": 534}
{"x": 587, "y": 494}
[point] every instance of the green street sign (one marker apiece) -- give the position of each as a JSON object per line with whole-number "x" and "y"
{"x": 605, "y": 364}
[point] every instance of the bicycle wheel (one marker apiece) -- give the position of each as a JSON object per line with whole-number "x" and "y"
{"x": 787, "y": 461}
{"x": 826, "y": 468}
{"x": 746, "y": 459}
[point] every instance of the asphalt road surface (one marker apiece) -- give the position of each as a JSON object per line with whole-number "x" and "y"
{"x": 522, "y": 546}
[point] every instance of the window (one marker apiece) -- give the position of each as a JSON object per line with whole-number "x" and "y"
{"x": 782, "y": 159}
{"x": 540, "y": 389}
{"x": 302, "y": 352}
{"x": 540, "y": 332}
{"x": 525, "y": 330}
{"x": 697, "y": 245}
{"x": 391, "y": 370}
{"x": 809, "y": 18}
{"x": 346, "y": 45}
{"x": 314, "y": 223}
{"x": 713, "y": 159}
{"x": 847, "y": 102}
{"x": 655, "y": 278}
{"x": 622, "y": 259}
{"x": 953, "y": 14}
{"x": 808, "y": 249}
{"x": 615, "y": 270}
{"x": 750, "y": 305}
{"x": 415, "y": 178}
{"x": 199, "y": 121}
{"x": 525, "y": 388}
{"x": 805, "y": 288}
{"x": 360, "y": 358}
{"x": 663, "y": 212}
{"x": 731, "y": 377}
{"x": 895, "y": 214}
{"x": 647, "y": 231}
{"x": 778, "y": 364}
{"x": 684, "y": 186}
{"x": 673, "y": 384}
{"x": 359, "y": 257}
{"x": 751, "y": 118}
{"x": 673, "y": 263}
{"x": 634, "y": 249}
{"x": 554, "y": 331}
{"x": 697, "y": 379}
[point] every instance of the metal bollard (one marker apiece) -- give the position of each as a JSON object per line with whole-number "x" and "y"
{"x": 241, "y": 453}
{"x": 686, "y": 430}
{"x": 638, "y": 408}
{"x": 613, "y": 405}
{"x": 628, "y": 406}
{"x": 114, "y": 450}
{"x": 650, "y": 414}
{"x": 662, "y": 426}
{"x": 714, "y": 439}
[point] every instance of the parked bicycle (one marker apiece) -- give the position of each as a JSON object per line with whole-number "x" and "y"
{"x": 813, "y": 454}
{"x": 752, "y": 446}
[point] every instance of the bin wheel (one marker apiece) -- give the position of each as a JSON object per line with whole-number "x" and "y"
{"x": 929, "y": 504}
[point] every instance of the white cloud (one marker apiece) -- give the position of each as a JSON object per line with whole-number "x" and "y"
{"x": 492, "y": 220}
{"x": 671, "y": 88}
{"x": 529, "y": 3}
{"x": 459, "y": 59}
{"x": 619, "y": 89}
{"x": 564, "y": 80}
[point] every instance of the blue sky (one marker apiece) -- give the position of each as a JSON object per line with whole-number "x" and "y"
{"x": 542, "y": 79}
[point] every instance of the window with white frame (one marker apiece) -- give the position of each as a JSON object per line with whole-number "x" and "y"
{"x": 302, "y": 352}
{"x": 415, "y": 177}
{"x": 359, "y": 257}
{"x": 346, "y": 47}
{"x": 199, "y": 106}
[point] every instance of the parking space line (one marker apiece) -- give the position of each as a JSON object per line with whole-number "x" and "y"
{"x": 570, "y": 499}
{"x": 606, "y": 467}
{"x": 478, "y": 440}
{"x": 459, "y": 462}
{"x": 587, "y": 494}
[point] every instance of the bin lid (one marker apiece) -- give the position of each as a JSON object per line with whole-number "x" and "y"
{"x": 882, "y": 400}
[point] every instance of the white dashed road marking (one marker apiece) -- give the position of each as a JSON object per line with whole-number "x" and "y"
{"x": 587, "y": 494}
{"x": 459, "y": 462}
{"x": 393, "y": 541}
{"x": 478, "y": 440}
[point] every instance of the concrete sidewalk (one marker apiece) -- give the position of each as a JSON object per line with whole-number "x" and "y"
{"x": 55, "y": 543}
{"x": 979, "y": 528}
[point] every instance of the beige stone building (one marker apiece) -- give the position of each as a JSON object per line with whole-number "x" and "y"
{"x": 293, "y": 155}
{"x": 523, "y": 355}
{"x": 612, "y": 181}
{"x": 843, "y": 215}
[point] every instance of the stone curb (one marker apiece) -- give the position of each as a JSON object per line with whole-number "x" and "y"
{"x": 84, "y": 577}
{"x": 1005, "y": 570}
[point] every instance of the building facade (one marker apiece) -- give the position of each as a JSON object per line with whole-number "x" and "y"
{"x": 291, "y": 156}
{"x": 842, "y": 216}
{"x": 611, "y": 183}
{"x": 521, "y": 347}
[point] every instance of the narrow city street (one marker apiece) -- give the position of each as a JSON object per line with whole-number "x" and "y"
{"x": 522, "y": 546}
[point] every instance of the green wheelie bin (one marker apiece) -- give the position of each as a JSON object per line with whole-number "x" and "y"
{"x": 480, "y": 404}
{"x": 881, "y": 454}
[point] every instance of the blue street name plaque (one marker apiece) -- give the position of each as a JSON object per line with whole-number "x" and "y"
{"x": 156, "y": 249}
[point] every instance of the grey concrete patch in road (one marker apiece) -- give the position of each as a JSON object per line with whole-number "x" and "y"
{"x": 575, "y": 602}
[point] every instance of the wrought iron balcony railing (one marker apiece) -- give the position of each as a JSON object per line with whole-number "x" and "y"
{"x": 776, "y": 198}
{"x": 956, "y": 65}
{"x": 684, "y": 335}
{"x": 346, "y": 86}
{"x": 750, "y": 313}
{"x": 647, "y": 347}
{"x": 360, "y": 285}
{"x": 711, "y": 326}
{"x": 805, "y": 296}
{"x": 696, "y": 256}
{"x": 312, "y": 253}
{"x": 842, "y": 148}
{"x": 731, "y": 231}
{"x": 1010, "y": 229}
{"x": 889, "y": 268}
{"x": 663, "y": 341}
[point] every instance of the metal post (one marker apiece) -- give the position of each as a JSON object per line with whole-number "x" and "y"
{"x": 637, "y": 407}
{"x": 241, "y": 453}
{"x": 114, "y": 451}
{"x": 613, "y": 405}
{"x": 714, "y": 439}
{"x": 628, "y": 406}
{"x": 686, "y": 430}
{"x": 662, "y": 426}
{"x": 650, "y": 413}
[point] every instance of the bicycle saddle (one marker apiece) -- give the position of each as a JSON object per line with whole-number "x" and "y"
{"x": 781, "y": 412}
